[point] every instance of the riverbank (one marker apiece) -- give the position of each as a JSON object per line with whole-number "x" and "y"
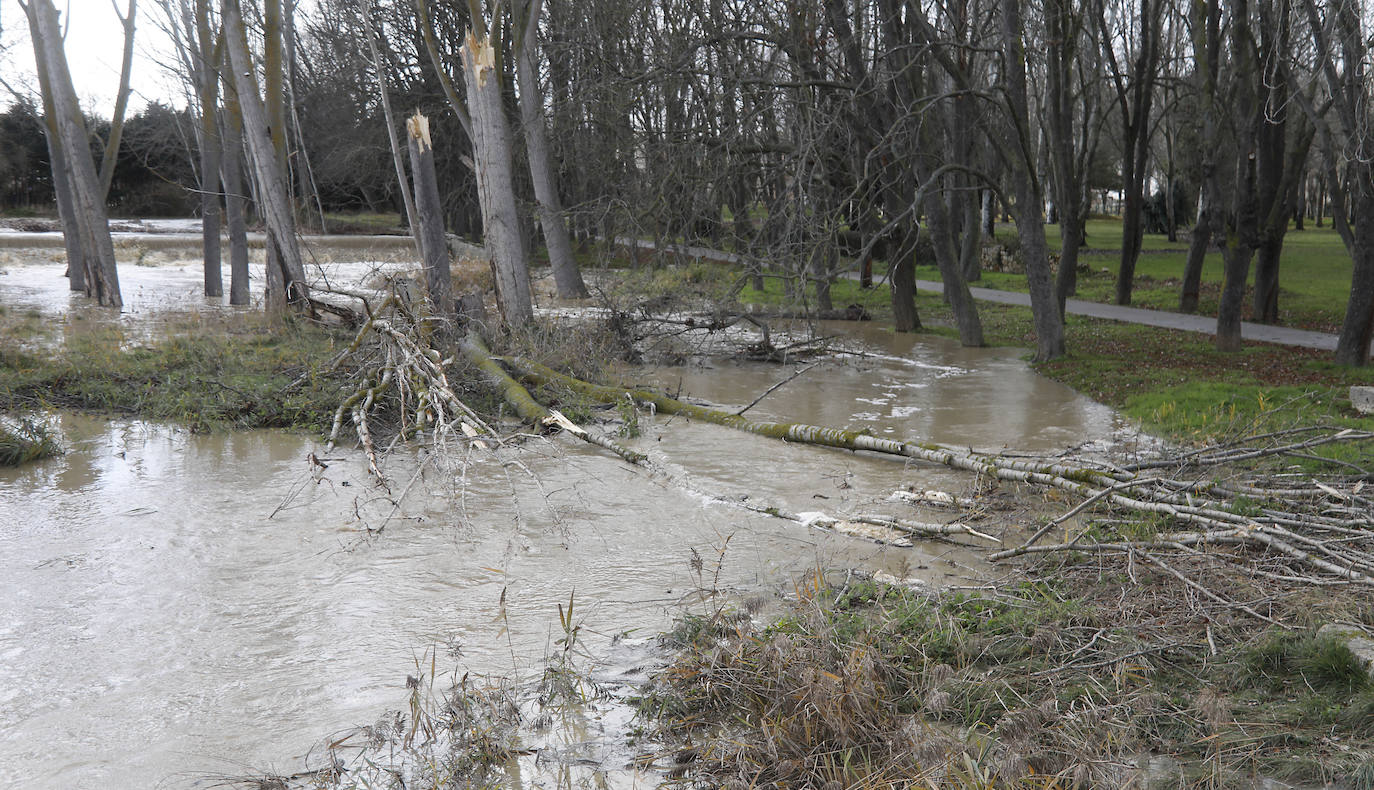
{"x": 1118, "y": 649}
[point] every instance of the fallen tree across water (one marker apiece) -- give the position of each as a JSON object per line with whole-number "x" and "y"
{"x": 1321, "y": 531}
{"x": 1311, "y": 524}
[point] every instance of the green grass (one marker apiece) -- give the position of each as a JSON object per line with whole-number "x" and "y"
{"x": 25, "y": 440}
{"x": 1314, "y": 274}
{"x": 364, "y": 222}
{"x": 205, "y": 380}
{"x": 1177, "y": 384}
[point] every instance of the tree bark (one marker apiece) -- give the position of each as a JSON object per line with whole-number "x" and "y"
{"x": 62, "y": 190}
{"x": 1242, "y": 229}
{"x": 567, "y": 277}
{"x": 1030, "y": 228}
{"x": 210, "y": 147}
{"x": 273, "y": 192}
{"x": 235, "y": 194}
{"x": 88, "y": 206}
{"x": 430, "y": 216}
{"x": 495, "y": 182}
{"x": 947, "y": 259}
{"x": 1357, "y": 330}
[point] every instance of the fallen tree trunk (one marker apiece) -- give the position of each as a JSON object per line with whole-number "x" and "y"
{"x": 1343, "y": 548}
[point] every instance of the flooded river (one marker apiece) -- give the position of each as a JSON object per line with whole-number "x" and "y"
{"x": 176, "y": 607}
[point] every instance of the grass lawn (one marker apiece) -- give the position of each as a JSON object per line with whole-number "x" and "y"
{"x": 363, "y": 222}
{"x": 1314, "y": 276}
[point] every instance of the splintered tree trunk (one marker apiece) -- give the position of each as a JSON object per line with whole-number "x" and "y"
{"x": 88, "y": 206}
{"x": 272, "y": 186}
{"x": 567, "y": 277}
{"x": 495, "y": 183}
{"x": 430, "y": 216}
{"x": 235, "y": 199}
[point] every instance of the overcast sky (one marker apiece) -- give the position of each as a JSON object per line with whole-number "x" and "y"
{"x": 93, "y": 45}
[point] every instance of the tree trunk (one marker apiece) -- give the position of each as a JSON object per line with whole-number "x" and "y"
{"x": 430, "y": 215}
{"x": 88, "y": 206}
{"x": 1238, "y": 254}
{"x": 385, "y": 95}
{"x": 273, "y": 193}
{"x": 567, "y": 277}
{"x": 66, "y": 211}
{"x": 1132, "y": 236}
{"x": 1357, "y": 330}
{"x": 1242, "y": 226}
{"x": 495, "y": 182}
{"x": 210, "y": 146}
{"x": 956, "y": 289}
{"x": 110, "y": 158}
{"x": 1265, "y": 308}
{"x": 1197, "y": 254}
{"x": 1030, "y": 228}
{"x": 235, "y": 201}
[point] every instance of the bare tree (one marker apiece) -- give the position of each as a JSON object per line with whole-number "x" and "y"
{"x": 101, "y": 279}
{"x": 1134, "y": 86}
{"x": 1343, "y": 50}
{"x": 284, "y": 259}
{"x": 1205, "y": 23}
{"x": 1020, "y": 157}
{"x": 484, "y": 78}
{"x": 566, "y": 275}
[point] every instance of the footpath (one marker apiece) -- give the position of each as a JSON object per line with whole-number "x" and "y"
{"x": 1258, "y": 333}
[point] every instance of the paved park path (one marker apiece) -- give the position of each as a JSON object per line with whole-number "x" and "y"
{"x": 1260, "y": 333}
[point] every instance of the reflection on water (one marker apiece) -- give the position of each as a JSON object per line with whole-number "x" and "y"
{"x": 161, "y": 278}
{"x": 175, "y": 605}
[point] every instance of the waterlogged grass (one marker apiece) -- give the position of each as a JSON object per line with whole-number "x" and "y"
{"x": 25, "y": 440}
{"x": 1031, "y": 685}
{"x": 206, "y": 378}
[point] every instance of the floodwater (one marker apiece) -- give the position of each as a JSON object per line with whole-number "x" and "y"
{"x": 178, "y": 607}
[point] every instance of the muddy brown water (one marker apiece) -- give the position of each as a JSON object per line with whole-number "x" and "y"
{"x": 176, "y": 607}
